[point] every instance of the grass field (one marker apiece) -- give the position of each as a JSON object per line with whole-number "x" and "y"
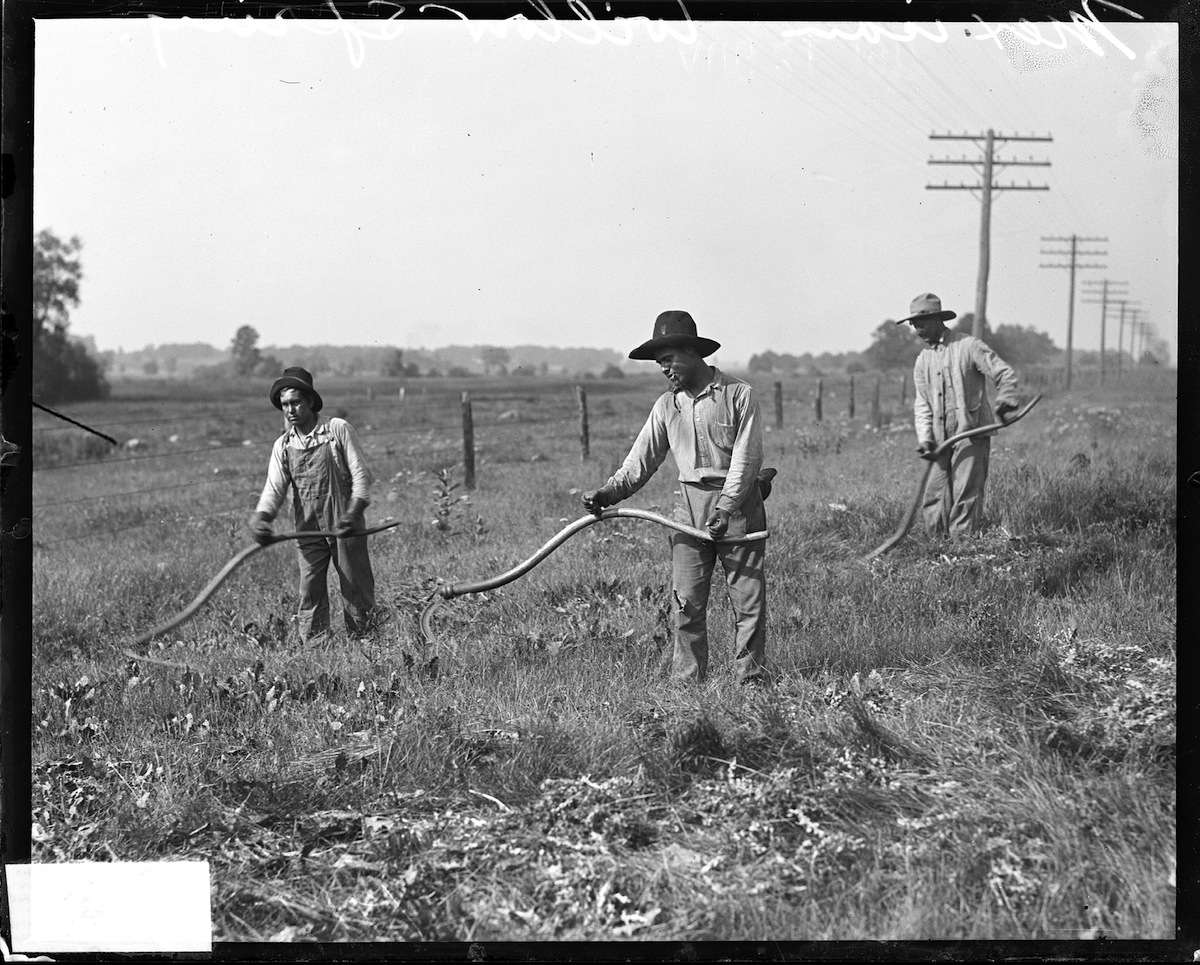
{"x": 964, "y": 741}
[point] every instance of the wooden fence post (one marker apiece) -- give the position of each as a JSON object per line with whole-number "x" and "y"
{"x": 876, "y": 414}
{"x": 401, "y": 393}
{"x": 584, "y": 446}
{"x": 468, "y": 442}
{"x": 778, "y": 405}
{"x": 820, "y": 392}
{"x": 852, "y": 397}
{"x": 903, "y": 391}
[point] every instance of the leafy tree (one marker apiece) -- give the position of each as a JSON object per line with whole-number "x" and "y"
{"x": 770, "y": 361}
{"x": 393, "y": 365}
{"x": 63, "y": 369}
{"x": 612, "y": 372}
{"x": 57, "y": 272}
{"x": 244, "y": 349}
{"x": 150, "y": 368}
{"x": 892, "y": 347}
{"x": 1022, "y": 345}
{"x": 496, "y": 360}
{"x": 764, "y": 362}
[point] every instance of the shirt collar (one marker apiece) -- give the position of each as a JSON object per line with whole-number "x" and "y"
{"x": 714, "y": 383}
{"x": 314, "y": 433}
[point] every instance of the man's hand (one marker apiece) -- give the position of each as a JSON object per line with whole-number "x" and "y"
{"x": 351, "y": 517}
{"x": 260, "y": 529}
{"x": 926, "y": 450}
{"x": 718, "y": 523}
{"x": 1005, "y": 409}
{"x": 595, "y": 500}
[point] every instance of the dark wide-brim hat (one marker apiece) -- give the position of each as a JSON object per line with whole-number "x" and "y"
{"x": 295, "y": 378}
{"x": 927, "y": 306}
{"x": 674, "y": 330}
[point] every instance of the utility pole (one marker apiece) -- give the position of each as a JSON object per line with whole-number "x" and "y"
{"x": 1074, "y": 254}
{"x": 986, "y": 166}
{"x": 1103, "y": 302}
{"x": 1142, "y": 330}
{"x": 1125, "y": 303}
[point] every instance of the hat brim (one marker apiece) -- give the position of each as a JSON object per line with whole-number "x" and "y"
{"x": 288, "y": 382}
{"x": 942, "y": 316}
{"x": 648, "y": 350}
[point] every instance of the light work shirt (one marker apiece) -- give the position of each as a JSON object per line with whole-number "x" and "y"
{"x": 951, "y": 381}
{"x": 347, "y": 455}
{"x": 715, "y": 438}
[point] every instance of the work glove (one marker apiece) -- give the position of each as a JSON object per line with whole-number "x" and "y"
{"x": 594, "y": 500}
{"x": 764, "y": 482}
{"x": 718, "y": 523}
{"x": 352, "y": 517}
{"x": 926, "y": 450}
{"x": 1004, "y": 410}
{"x": 260, "y": 529}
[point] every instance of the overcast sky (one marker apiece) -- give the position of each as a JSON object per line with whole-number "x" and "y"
{"x": 422, "y": 184}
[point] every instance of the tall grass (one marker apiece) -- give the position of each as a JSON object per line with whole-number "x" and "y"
{"x": 964, "y": 740}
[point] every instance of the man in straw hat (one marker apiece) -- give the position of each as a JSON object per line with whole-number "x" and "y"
{"x": 951, "y": 376}
{"x": 709, "y": 421}
{"x": 323, "y": 461}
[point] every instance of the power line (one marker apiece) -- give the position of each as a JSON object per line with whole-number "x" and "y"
{"x": 986, "y": 186}
{"x": 138, "y": 492}
{"x": 144, "y": 525}
{"x": 1102, "y": 301}
{"x": 242, "y": 446}
{"x": 1074, "y": 254}
{"x": 808, "y": 84}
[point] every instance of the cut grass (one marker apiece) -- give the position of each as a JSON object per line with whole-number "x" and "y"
{"x": 964, "y": 741}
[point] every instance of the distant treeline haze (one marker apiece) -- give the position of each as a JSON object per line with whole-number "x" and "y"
{"x": 893, "y": 348}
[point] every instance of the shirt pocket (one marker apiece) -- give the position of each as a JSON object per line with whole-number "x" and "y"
{"x": 724, "y": 435}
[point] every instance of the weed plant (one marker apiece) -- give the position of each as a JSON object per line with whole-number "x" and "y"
{"x": 963, "y": 740}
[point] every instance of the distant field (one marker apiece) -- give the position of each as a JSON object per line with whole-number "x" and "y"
{"x": 964, "y": 742}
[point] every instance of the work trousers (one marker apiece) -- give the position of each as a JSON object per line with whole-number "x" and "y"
{"x": 693, "y": 562}
{"x": 353, "y": 566}
{"x": 953, "y": 503}
{"x": 320, "y": 495}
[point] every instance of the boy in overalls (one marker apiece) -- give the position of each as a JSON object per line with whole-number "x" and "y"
{"x": 323, "y": 461}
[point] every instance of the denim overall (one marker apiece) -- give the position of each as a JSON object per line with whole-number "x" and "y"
{"x": 320, "y": 492}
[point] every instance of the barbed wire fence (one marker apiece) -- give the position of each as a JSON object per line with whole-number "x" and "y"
{"x": 427, "y": 430}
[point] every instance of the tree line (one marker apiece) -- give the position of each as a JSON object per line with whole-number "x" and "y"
{"x": 894, "y": 347}
{"x": 64, "y": 370}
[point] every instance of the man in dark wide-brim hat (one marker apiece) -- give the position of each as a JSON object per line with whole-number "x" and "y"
{"x": 709, "y": 422}
{"x": 322, "y": 460}
{"x": 951, "y": 376}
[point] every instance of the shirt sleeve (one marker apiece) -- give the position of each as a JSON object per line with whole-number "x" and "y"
{"x": 277, "y": 483}
{"x": 746, "y": 459}
{"x": 996, "y": 369}
{"x": 356, "y": 462}
{"x": 922, "y": 410}
{"x": 649, "y": 450}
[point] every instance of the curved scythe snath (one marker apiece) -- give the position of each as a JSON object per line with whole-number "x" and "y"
{"x": 449, "y": 591}
{"x": 911, "y": 515}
